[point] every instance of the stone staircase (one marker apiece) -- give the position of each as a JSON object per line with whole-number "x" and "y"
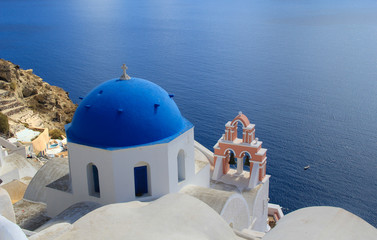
{"x": 13, "y": 111}
{"x": 10, "y": 106}
{"x": 3, "y": 92}
{"x": 18, "y": 114}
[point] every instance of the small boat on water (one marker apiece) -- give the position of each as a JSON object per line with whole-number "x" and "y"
{"x": 306, "y": 167}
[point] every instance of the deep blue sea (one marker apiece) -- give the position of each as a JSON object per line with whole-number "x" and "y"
{"x": 304, "y": 71}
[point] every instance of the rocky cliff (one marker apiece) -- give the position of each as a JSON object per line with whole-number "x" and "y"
{"x": 29, "y": 101}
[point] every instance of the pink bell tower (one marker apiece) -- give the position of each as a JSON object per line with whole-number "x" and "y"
{"x": 229, "y": 145}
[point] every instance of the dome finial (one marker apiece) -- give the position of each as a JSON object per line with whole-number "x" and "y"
{"x": 125, "y": 76}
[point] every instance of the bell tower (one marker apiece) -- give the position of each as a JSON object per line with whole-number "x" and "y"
{"x": 246, "y": 151}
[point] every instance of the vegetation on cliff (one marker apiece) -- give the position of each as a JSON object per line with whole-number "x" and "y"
{"x": 4, "y": 125}
{"x": 56, "y": 134}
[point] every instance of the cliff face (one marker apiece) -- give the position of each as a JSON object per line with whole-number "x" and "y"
{"x": 27, "y": 100}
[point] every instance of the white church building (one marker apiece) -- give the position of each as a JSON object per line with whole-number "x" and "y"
{"x": 127, "y": 141}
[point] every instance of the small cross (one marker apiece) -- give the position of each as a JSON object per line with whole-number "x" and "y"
{"x": 125, "y": 76}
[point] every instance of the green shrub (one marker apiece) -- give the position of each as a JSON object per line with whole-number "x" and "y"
{"x": 56, "y": 134}
{"x": 4, "y": 124}
{"x": 13, "y": 86}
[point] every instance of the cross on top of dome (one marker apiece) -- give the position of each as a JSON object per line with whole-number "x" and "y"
{"x": 125, "y": 76}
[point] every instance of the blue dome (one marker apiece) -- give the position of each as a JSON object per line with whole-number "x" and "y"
{"x": 125, "y": 113}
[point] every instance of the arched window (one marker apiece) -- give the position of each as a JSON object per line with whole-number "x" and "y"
{"x": 240, "y": 130}
{"x": 93, "y": 180}
{"x": 181, "y": 166}
{"x": 142, "y": 179}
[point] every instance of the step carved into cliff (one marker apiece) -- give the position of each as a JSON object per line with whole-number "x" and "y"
{"x": 7, "y": 101}
{"x": 10, "y": 105}
{"x": 13, "y": 111}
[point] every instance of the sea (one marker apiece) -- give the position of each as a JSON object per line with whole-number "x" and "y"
{"x": 303, "y": 71}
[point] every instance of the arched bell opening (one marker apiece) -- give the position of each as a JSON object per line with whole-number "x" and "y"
{"x": 229, "y": 160}
{"x": 232, "y": 160}
{"x": 240, "y": 127}
{"x": 246, "y": 161}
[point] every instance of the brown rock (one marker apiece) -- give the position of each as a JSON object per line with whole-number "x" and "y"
{"x": 27, "y": 92}
{"x": 50, "y": 103}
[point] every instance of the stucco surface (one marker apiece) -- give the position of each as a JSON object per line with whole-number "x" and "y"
{"x": 6, "y": 207}
{"x": 315, "y": 223}
{"x": 52, "y": 232}
{"x": 53, "y": 169}
{"x": 30, "y": 215}
{"x": 231, "y": 206}
{"x": 224, "y": 186}
{"x": 201, "y": 160}
{"x": 62, "y": 184}
{"x": 250, "y": 196}
{"x": 71, "y": 214}
{"x": 216, "y": 199}
{"x": 39, "y": 144}
{"x": 16, "y": 190}
{"x": 15, "y": 162}
{"x": 173, "y": 216}
{"x": 10, "y": 231}
{"x": 203, "y": 153}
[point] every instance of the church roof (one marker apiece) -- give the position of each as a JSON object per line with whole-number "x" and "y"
{"x": 124, "y": 113}
{"x": 173, "y": 216}
{"x": 323, "y": 222}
